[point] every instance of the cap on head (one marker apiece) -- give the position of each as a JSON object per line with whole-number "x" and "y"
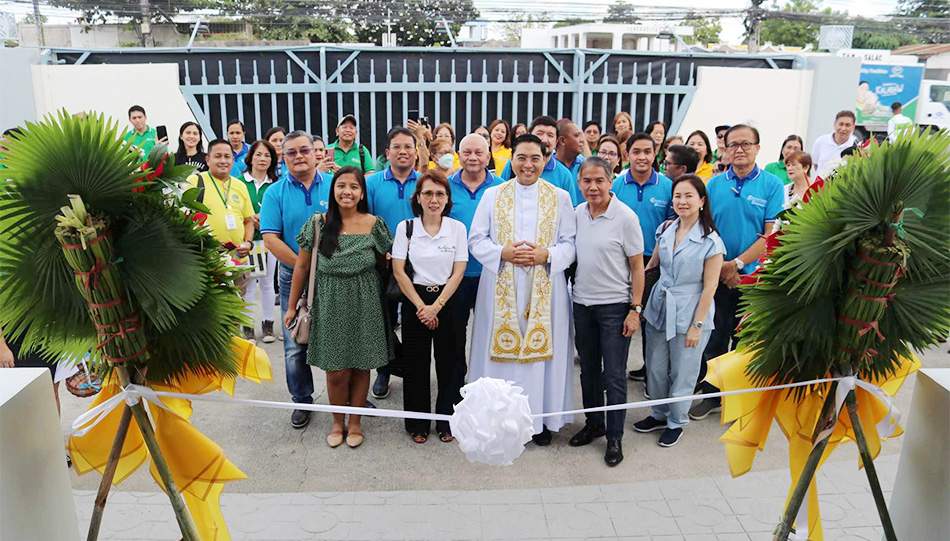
{"x": 347, "y": 118}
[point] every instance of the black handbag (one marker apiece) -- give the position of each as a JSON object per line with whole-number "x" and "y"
{"x": 393, "y": 293}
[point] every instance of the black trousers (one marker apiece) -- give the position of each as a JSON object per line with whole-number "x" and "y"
{"x": 723, "y": 338}
{"x": 417, "y": 345}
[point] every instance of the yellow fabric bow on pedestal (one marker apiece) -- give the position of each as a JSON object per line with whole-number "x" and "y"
{"x": 198, "y": 465}
{"x": 751, "y": 416}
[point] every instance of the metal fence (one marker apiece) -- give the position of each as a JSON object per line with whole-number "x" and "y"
{"x": 310, "y": 88}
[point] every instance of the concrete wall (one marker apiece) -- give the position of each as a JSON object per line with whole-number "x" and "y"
{"x": 81, "y": 88}
{"x": 835, "y": 89}
{"x": 98, "y": 36}
{"x": 16, "y": 91}
{"x": 36, "y": 499}
{"x": 774, "y": 101}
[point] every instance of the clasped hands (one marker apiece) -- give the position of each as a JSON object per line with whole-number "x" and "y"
{"x": 524, "y": 254}
{"x": 428, "y": 314}
{"x": 729, "y": 275}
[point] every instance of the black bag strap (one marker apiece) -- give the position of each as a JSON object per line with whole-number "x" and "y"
{"x": 201, "y": 188}
{"x": 362, "y": 157}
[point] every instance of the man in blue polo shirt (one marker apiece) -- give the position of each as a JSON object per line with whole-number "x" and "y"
{"x": 569, "y": 152}
{"x": 649, "y": 194}
{"x": 287, "y": 205}
{"x": 545, "y": 129}
{"x": 468, "y": 187}
{"x": 389, "y": 194}
{"x": 744, "y": 202}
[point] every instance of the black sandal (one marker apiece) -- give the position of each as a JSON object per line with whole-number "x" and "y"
{"x": 446, "y": 436}
{"x": 420, "y": 437}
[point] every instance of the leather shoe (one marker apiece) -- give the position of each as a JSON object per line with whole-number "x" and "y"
{"x": 614, "y": 454}
{"x": 587, "y": 434}
{"x": 544, "y": 438}
{"x": 300, "y": 418}
{"x": 381, "y": 386}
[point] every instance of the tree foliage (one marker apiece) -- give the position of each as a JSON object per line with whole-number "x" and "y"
{"x": 415, "y": 23}
{"x": 705, "y": 30}
{"x": 926, "y": 31}
{"x": 98, "y": 11}
{"x": 780, "y": 31}
{"x": 293, "y": 20}
{"x": 621, "y": 12}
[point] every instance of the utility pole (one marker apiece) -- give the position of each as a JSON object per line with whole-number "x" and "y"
{"x": 39, "y": 22}
{"x": 755, "y": 15}
{"x": 146, "y": 26}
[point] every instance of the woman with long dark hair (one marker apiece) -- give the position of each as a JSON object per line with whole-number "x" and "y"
{"x": 261, "y": 173}
{"x": 190, "y": 148}
{"x": 348, "y": 335}
{"x": 792, "y": 143}
{"x": 500, "y": 141}
{"x": 609, "y": 149}
{"x": 699, "y": 142}
{"x": 657, "y": 131}
{"x": 275, "y": 136}
{"x": 679, "y": 313}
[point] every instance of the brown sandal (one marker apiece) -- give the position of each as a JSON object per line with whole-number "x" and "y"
{"x": 446, "y": 437}
{"x": 420, "y": 437}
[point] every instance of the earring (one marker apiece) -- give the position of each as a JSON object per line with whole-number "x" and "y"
{"x": 701, "y": 209}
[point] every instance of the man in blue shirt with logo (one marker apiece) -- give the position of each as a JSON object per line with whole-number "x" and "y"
{"x": 649, "y": 194}
{"x": 545, "y": 129}
{"x": 389, "y": 194}
{"x": 468, "y": 187}
{"x": 287, "y": 205}
{"x": 569, "y": 152}
{"x": 744, "y": 202}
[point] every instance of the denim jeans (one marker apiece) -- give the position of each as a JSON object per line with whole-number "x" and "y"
{"x": 672, "y": 368}
{"x": 299, "y": 376}
{"x": 723, "y": 338}
{"x": 598, "y": 336}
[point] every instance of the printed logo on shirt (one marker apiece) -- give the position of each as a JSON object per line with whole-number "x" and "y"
{"x": 235, "y": 199}
{"x": 757, "y": 201}
{"x": 658, "y": 202}
{"x": 447, "y": 248}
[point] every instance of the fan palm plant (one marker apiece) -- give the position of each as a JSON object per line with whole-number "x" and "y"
{"x": 99, "y": 252}
{"x": 860, "y": 278}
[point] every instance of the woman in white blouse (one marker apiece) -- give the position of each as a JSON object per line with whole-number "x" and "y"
{"x": 436, "y": 248}
{"x": 797, "y": 165}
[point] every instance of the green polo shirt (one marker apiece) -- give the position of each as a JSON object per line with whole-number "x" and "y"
{"x": 144, "y": 141}
{"x": 778, "y": 169}
{"x": 257, "y": 197}
{"x": 352, "y": 157}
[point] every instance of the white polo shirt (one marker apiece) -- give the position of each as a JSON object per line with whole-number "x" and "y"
{"x": 826, "y": 150}
{"x": 603, "y": 245}
{"x": 432, "y": 258}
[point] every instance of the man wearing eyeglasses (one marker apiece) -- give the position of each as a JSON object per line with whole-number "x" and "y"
{"x": 286, "y": 207}
{"x": 680, "y": 160}
{"x": 744, "y": 202}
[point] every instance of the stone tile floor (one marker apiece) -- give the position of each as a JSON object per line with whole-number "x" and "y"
{"x": 700, "y": 509}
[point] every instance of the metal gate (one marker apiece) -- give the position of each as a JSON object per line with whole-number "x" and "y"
{"x": 310, "y": 88}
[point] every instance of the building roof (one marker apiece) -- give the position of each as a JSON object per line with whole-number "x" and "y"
{"x": 923, "y": 50}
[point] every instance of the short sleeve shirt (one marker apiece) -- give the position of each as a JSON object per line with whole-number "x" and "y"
{"x": 225, "y": 199}
{"x": 287, "y": 205}
{"x": 742, "y": 206}
{"x": 389, "y": 198}
{"x": 432, "y": 257}
{"x": 239, "y": 166}
{"x": 603, "y": 245}
{"x": 826, "y": 150}
{"x": 143, "y": 141}
{"x": 464, "y": 203}
{"x": 344, "y": 158}
{"x": 651, "y": 201}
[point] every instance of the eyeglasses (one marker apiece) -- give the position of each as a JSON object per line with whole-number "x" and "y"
{"x": 608, "y": 155}
{"x": 304, "y": 151}
{"x": 721, "y": 135}
{"x": 438, "y": 195}
{"x": 745, "y": 145}
{"x": 667, "y": 164}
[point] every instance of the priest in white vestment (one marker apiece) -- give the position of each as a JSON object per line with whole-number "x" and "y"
{"x": 523, "y": 235}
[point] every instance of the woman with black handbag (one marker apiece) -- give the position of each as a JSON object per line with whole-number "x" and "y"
{"x": 429, "y": 257}
{"x": 348, "y": 335}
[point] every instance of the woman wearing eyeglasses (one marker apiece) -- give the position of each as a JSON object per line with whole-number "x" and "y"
{"x": 608, "y": 148}
{"x": 436, "y": 248}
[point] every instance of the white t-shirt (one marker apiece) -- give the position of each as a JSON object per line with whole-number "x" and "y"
{"x": 826, "y": 150}
{"x": 603, "y": 245}
{"x": 432, "y": 258}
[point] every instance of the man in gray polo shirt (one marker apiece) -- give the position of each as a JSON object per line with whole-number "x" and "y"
{"x": 608, "y": 288}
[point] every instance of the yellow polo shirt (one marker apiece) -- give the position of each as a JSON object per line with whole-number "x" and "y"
{"x": 238, "y": 204}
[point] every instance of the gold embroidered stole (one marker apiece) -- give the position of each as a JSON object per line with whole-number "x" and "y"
{"x": 508, "y": 345}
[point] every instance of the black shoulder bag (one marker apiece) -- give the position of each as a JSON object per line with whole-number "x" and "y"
{"x": 393, "y": 293}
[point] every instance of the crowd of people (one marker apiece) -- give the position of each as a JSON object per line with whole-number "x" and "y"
{"x": 550, "y": 238}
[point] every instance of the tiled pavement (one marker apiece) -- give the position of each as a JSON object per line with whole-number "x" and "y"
{"x": 701, "y": 509}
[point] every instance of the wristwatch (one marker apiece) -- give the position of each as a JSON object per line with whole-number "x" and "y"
{"x": 441, "y": 301}
{"x": 739, "y": 263}
{"x": 636, "y": 308}
{"x": 698, "y": 325}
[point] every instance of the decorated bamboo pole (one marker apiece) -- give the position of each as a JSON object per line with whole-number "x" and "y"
{"x": 826, "y": 419}
{"x": 109, "y": 474}
{"x": 87, "y": 246}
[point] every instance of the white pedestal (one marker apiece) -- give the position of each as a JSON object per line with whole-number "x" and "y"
{"x": 36, "y": 499}
{"x": 920, "y": 503}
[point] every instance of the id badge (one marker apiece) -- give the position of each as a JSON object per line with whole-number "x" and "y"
{"x": 230, "y": 223}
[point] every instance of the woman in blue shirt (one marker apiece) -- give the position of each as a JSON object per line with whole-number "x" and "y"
{"x": 679, "y": 313}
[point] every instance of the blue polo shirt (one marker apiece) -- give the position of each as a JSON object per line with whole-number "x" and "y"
{"x": 239, "y": 166}
{"x": 464, "y": 203}
{"x": 577, "y": 197}
{"x": 287, "y": 205}
{"x": 652, "y": 202}
{"x": 741, "y": 207}
{"x": 554, "y": 172}
{"x": 389, "y": 198}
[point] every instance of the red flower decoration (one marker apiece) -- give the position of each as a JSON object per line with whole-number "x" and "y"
{"x": 814, "y": 188}
{"x": 199, "y": 218}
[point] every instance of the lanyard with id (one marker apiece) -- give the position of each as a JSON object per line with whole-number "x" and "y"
{"x": 229, "y": 221}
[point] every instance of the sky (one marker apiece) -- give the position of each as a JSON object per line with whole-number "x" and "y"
{"x": 732, "y": 27}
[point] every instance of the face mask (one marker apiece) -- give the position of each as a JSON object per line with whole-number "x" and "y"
{"x": 446, "y": 161}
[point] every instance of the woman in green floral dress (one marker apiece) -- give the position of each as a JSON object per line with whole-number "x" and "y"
{"x": 348, "y": 336}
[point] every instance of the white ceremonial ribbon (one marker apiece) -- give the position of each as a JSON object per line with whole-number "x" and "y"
{"x": 131, "y": 395}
